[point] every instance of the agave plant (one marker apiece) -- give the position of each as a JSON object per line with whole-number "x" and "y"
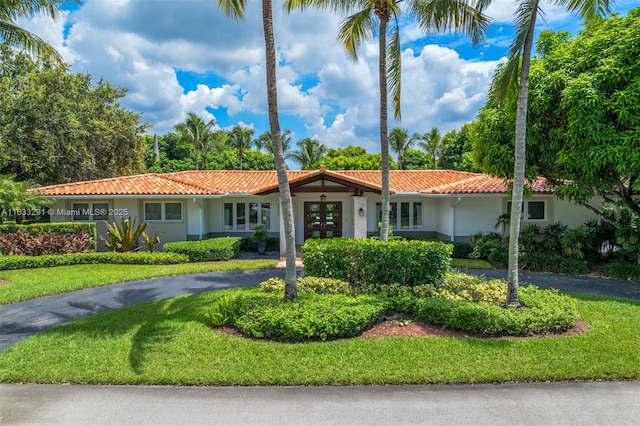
{"x": 123, "y": 237}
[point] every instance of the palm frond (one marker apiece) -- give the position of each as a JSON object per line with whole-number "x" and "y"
{"x": 586, "y": 9}
{"x": 355, "y": 29}
{"x": 234, "y": 9}
{"x": 394, "y": 70}
{"x": 452, "y": 15}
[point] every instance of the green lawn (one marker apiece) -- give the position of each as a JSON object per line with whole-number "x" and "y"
{"x": 167, "y": 342}
{"x": 470, "y": 263}
{"x": 24, "y": 284}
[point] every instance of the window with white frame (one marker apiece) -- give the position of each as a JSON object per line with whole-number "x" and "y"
{"x": 403, "y": 216}
{"x": 246, "y": 216}
{"x": 89, "y": 211}
{"x": 155, "y": 211}
{"x": 532, "y": 210}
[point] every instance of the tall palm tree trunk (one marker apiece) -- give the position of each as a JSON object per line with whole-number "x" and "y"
{"x": 384, "y": 134}
{"x": 290, "y": 291}
{"x": 519, "y": 166}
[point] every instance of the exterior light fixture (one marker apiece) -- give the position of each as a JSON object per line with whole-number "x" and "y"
{"x": 361, "y": 212}
{"x": 323, "y": 198}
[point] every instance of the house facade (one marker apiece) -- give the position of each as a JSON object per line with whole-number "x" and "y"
{"x": 191, "y": 205}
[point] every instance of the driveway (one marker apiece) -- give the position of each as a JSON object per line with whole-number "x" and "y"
{"x": 21, "y": 320}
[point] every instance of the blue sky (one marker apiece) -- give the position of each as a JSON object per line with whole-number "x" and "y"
{"x": 184, "y": 55}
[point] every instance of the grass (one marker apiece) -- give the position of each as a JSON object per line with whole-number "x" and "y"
{"x": 167, "y": 342}
{"x": 470, "y": 263}
{"x": 25, "y": 284}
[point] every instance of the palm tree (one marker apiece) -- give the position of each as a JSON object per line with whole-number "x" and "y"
{"x": 264, "y": 141}
{"x": 17, "y": 198}
{"x": 432, "y": 143}
{"x": 194, "y": 130}
{"x": 241, "y": 138}
{"x": 309, "y": 153}
{"x": 399, "y": 142}
{"x": 360, "y": 25}
{"x": 235, "y": 10}
{"x": 515, "y": 74}
{"x": 10, "y": 33}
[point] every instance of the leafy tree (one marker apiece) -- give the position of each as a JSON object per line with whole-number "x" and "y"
{"x": 456, "y": 152}
{"x": 197, "y": 132}
{"x": 235, "y": 10}
{"x": 516, "y": 75}
{"x": 352, "y": 158}
{"x": 399, "y": 142}
{"x": 174, "y": 156}
{"x": 57, "y": 127}
{"x": 252, "y": 160}
{"x": 416, "y": 159}
{"x": 309, "y": 153}
{"x": 432, "y": 143}
{"x": 21, "y": 39}
{"x": 360, "y": 25}
{"x": 16, "y": 198}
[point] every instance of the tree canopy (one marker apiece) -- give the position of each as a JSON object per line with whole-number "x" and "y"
{"x": 584, "y": 114}
{"x": 353, "y": 158}
{"x": 57, "y": 127}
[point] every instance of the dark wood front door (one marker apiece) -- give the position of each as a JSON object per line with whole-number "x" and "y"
{"x": 322, "y": 219}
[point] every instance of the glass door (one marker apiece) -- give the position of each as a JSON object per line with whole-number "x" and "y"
{"x": 322, "y": 219}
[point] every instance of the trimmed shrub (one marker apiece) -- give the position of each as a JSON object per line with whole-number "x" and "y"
{"x": 308, "y": 284}
{"x": 543, "y": 311}
{"x": 63, "y": 228}
{"x": 214, "y": 249}
{"x": 47, "y": 261}
{"x": 461, "y": 250}
{"x": 313, "y": 317}
{"x": 369, "y": 263}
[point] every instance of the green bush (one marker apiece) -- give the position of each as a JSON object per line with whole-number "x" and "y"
{"x": 308, "y": 285}
{"x": 461, "y": 250}
{"x": 543, "y": 311}
{"x": 313, "y": 317}
{"x": 62, "y": 228}
{"x": 621, "y": 271}
{"x": 214, "y": 249}
{"x": 367, "y": 263}
{"x": 47, "y": 261}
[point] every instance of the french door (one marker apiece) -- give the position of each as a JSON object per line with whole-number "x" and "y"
{"x": 322, "y": 219}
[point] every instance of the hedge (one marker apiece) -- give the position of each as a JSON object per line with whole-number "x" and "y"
{"x": 214, "y": 249}
{"x": 55, "y": 227}
{"x": 131, "y": 258}
{"x": 370, "y": 263}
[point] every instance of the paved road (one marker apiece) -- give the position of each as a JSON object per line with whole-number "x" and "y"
{"x": 577, "y": 403}
{"x": 21, "y": 320}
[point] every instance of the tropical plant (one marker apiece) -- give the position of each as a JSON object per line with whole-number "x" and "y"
{"x": 235, "y": 10}
{"x": 240, "y": 138}
{"x": 264, "y": 141}
{"x": 432, "y": 143}
{"x": 150, "y": 241}
{"x": 17, "y": 37}
{"x": 219, "y": 314}
{"x": 399, "y": 142}
{"x": 309, "y": 153}
{"x": 515, "y": 75}
{"x": 503, "y": 221}
{"x": 18, "y": 199}
{"x": 123, "y": 237}
{"x": 360, "y": 25}
{"x": 194, "y": 130}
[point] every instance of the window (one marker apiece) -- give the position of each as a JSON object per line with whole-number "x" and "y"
{"x": 246, "y": 216}
{"x": 409, "y": 217}
{"x": 158, "y": 211}
{"x": 89, "y": 211}
{"x": 531, "y": 210}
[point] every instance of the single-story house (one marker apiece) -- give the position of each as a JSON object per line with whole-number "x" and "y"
{"x": 190, "y": 205}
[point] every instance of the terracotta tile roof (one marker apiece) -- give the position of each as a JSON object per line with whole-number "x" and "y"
{"x": 222, "y": 182}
